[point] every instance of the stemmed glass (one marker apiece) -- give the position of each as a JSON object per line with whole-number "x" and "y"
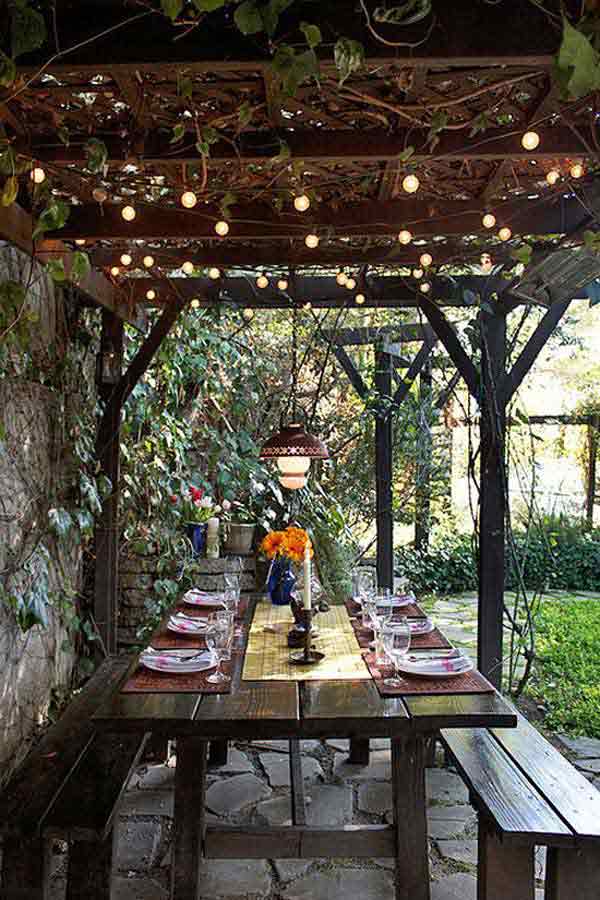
{"x": 231, "y": 598}
{"x": 396, "y": 642}
{"x": 378, "y": 611}
{"x": 232, "y": 579}
{"x": 219, "y": 638}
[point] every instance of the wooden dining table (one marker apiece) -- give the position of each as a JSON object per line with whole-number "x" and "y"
{"x": 297, "y": 710}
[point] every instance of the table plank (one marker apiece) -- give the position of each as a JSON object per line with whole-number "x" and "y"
{"x": 431, "y": 712}
{"x": 350, "y": 709}
{"x": 254, "y": 710}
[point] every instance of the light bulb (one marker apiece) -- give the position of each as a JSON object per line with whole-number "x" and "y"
{"x": 530, "y": 140}
{"x": 405, "y": 236}
{"x": 417, "y": 273}
{"x": 195, "y": 303}
{"x": 248, "y": 314}
{"x": 150, "y": 294}
{"x": 214, "y": 273}
{"x": 301, "y": 202}
{"x": 307, "y": 306}
{"x": 505, "y": 233}
{"x": 425, "y": 260}
{"x": 80, "y": 242}
{"x": 293, "y": 465}
{"x": 292, "y": 482}
{"x": 341, "y": 278}
{"x": 360, "y": 299}
{"x": 99, "y": 195}
{"x": 486, "y": 262}
{"x": 128, "y": 213}
{"x": 489, "y": 220}
{"x": 312, "y": 240}
{"x": 114, "y": 271}
{"x": 350, "y": 283}
{"x": 425, "y": 287}
{"x": 148, "y": 261}
{"x": 282, "y": 284}
{"x": 552, "y": 176}
{"x": 188, "y": 199}
{"x": 262, "y": 281}
{"x": 188, "y": 267}
{"x": 576, "y": 170}
{"x": 222, "y": 228}
{"x": 410, "y": 183}
{"x": 37, "y": 175}
{"x": 125, "y": 259}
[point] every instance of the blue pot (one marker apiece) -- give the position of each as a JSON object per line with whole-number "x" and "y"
{"x": 197, "y": 535}
{"x": 281, "y": 582}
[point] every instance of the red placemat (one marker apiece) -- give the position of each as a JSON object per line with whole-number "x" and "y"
{"x": 435, "y": 640}
{"x": 469, "y": 683}
{"x": 412, "y": 611}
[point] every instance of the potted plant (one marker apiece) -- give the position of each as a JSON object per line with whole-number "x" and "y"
{"x": 195, "y": 510}
{"x": 257, "y": 505}
{"x": 239, "y": 528}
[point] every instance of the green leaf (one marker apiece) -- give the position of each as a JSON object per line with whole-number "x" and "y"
{"x": 90, "y": 492}
{"x": 591, "y": 240}
{"x": 209, "y": 135}
{"x": 60, "y": 521}
{"x": 178, "y": 133}
{"x": 56, "y": 270}
{"x": 577, "y": 63}
{"x": 28, "y": 30}
{"x": 8, "y": 70}
{"x": 480, "y": 123}
{"x": 523, "y": 254}
{"x": 349, "y": 57}
{"x": 10, "y": 191}
{"x": 185, "y": 87}
{"x": 291, "y": 68}
{"x": 63, "y": 136}
{"x": 438, "y": 123}
{"x": 245, "y": 113}
{"x": 80, "y": 266}
{"x": 85, "y": 520}
{"x": 208, "y": 5}
{"x": 283, "y": 156}
{"x": 171, "y": 8}
{"x": 271, "y": 13}
{"x": 228, "y": 200}
{"x": 8, "y": 162}
{"x": 407, "y": 13}
{"x": 312, "y": 33}
{"x": 97, "y": 155}
{"x": 247, "y": 18}
{"x": 54, "y": 216}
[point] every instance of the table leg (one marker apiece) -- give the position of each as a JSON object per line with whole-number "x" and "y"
{"x": 410, "y": 819}
{"x": 217, "y": 755}
{"x": 359, "y": 751}
{"x": 189, "y": 817}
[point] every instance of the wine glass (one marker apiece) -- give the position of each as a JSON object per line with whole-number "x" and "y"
{"x": 396, "y": 641}
{"x": 219, "y": 638}
{"x": 383, "y": 615}
{"x": 231, "y": 598}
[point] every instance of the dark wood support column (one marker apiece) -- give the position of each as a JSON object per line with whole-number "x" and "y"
{"x": 106, "y": 580}
{"x": 590, "y": 495}
{"x": 383, "y": 471}
{"x": 492, "y": 496}
{"x": 424, "y": 461}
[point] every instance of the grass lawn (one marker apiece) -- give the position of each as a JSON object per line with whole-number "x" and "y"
{"x": 567, "y": 669}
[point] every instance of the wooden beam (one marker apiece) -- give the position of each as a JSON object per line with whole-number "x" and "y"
{"x": 454, "y": 348}
{"x": 351, "y": 371}
{"x": 416, "y": 367}
{"x": 384, "y": 471}
{"x": 400, "y": 333}
{"x": 532, "y": 349}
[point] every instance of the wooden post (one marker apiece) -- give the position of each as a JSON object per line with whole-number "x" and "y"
{"x": 106, "y": 582}
{"x": 503, "y": 872}
{"x": 592, "y": 438}
{"x": 410, "y": 819}
{"x": 492, "y": 496}
{"x": 424, "y": 461}
{"x": 189, "y": 818}
{"x": 383, "y": 471}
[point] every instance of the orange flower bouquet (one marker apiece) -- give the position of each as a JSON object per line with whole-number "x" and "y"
{"x": 284, "y": 548}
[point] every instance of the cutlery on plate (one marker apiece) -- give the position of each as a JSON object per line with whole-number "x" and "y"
{"x": 175, "y": 657}
{"x": 431, "y": 657}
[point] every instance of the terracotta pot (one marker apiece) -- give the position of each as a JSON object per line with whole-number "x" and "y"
{"x": 240, "y": 536}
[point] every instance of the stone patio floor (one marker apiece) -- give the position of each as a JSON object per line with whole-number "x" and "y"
{"x": 254, "y": 788}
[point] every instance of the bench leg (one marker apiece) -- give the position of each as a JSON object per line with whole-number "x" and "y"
{"x": 410, "y": 820}
{"x": 24, "y": 869}
{"x": 218, "y": 753}
{"x": 189, "y": 817}
{"x": 359, "y": 751}
{"x": 90, "y": 869}
{"x": 572, "y": 874}
{"x": 503, "y": 873}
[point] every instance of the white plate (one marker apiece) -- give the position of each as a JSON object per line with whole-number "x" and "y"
{"x": 420, "y": 626}
{"x": 174, "y": 661}
{"x": 203, "y": 598}
{"x": 185, "y": 626}
{"x": 437, "y": 668}
{"x": 401, "y": 600}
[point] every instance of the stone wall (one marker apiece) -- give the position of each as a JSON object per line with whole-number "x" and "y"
{"x": 35, "y": 664}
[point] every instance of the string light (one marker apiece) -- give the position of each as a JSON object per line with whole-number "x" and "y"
{"x": 350, "y": 283}
{"x": 128, "y": 213}
{"x": 312, "y": 240}
{"x": 301, "y": 202}
{"x": 307, "y": 306}
{"x": 360, "y": 299}
{"x": 248, "y": 314}
{"x": 552, "y": 176}
{"x": 148, "y": 261}
{"x": 150, "y": 294}
{"x": 341, "y": 278}
{"x": 505, "y": 233}
{"x": 486, "y": 262}
{"x": 262, "y": 281}
{"x": 188, "y": 267}
{"x": 489, "y": 220}
{"x": 188, "y": 199}
{"x": 417, "y": 273}
{"x": 214, "y": 273}
{"x": 222, "y": 228}
{"x": 405, "y": 236}
{"x": 282, "y": 284}
{"x": 530, "y": 140}
{"x": 125, "y": 259}
{"x": 410, "y": 183}
{"x": 37, "y": 175}
{"x": 80, "y": 242}
{"x": 114, "y": 271}
{"x": 425, "y": 259}
{"x": 425, "y": 287}
{"x": 576, "y": 170}
{"x": 99, "y": 195}
{"x": 195, "y": 303}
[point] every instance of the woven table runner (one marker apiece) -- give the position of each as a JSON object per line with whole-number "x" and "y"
{"x": 469, "y": 683}
{"x": 435, "y": 640}
{"x": 411, "y": 611}
{"x": 267, "y": 653}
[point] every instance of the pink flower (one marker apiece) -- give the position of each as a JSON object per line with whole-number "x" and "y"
{"x": 226, "y": 505}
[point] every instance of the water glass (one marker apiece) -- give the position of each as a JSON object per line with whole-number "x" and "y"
{"x": 231, "y": 598}
{"x": 396, "y": 643}
{"x": 219, "y": 638}
{"x": 231, "y": 581}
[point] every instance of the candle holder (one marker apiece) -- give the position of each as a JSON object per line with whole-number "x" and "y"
{"x": 307, "y": 655}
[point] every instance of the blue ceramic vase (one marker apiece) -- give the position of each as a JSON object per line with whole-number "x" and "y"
{"x": 197, "y": 535}
{"x": 281, "y": 582}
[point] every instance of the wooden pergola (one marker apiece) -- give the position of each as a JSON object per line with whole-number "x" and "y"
{"x": 346, "y": 147}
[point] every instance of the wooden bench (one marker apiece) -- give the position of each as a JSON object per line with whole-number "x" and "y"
{"x": 527, "y": 795}
{"x": 68, "y": 787}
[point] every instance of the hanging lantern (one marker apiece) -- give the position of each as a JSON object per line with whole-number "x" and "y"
{"x": 293, "y": 448}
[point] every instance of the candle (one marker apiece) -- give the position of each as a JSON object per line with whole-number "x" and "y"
{"x": 307, "y": 599}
